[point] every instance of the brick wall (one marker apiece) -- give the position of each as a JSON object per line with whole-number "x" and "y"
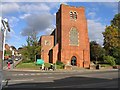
{"x": 45, "y": 47}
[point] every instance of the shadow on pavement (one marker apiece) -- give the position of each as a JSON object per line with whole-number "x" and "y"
{"x": 69, "y": 82}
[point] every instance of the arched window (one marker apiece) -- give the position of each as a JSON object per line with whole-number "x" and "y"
{"x": 75, "y": 15}
{"x": 74, "y": 37}
{"x": 71, "y": 14}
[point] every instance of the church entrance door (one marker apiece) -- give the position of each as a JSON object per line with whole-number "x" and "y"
{"x": 73, "y": 61}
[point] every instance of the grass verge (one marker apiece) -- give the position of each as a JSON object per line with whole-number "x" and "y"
{"x": 105, "y": 65}
{"x": 31, "y": 65}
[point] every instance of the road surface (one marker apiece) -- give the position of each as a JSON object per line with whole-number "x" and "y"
{"x": 72, "y": 79}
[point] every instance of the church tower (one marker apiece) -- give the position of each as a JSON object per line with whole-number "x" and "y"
{"x": 72, "y": 36}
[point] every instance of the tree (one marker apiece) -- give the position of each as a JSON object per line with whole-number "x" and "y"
{"x": 116, "y": 54}
{"x": 31, "y": 49}
{"x": 112, "y": 38}
{"x": 116, "y": 21}
{"x": 96, "y": 51}
{"x": 13, "y": 47}
{"x": 8, "y": 53}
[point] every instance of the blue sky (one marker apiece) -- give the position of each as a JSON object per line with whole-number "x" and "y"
{"x": 25, "y": 17}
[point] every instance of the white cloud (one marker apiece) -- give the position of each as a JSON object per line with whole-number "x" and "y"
{"x": 9, "y": 8}
{"x": 60, "y": 0}
{"x": 24, "y": 16}
{"x": 49, "y": 30}
{"x": 30, "y": 8}
{"x": 110, "y": 4}
{"x": 95, "y": 30}
{"x": 13, "y": 21}
{"x": 115, "y": 11}
{"x": 92, "y": 14}
{"x": 10, "y": 34}
{"x": 54, "y": 14}
{"x": 37, "y": 23}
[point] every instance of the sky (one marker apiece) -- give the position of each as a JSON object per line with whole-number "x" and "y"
{"x": 39, "y": 17}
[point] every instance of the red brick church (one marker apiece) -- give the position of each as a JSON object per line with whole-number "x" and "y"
{"x": 69, "y": 42}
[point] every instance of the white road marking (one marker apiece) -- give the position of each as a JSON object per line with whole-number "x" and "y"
{"x": 38, "y": 74}
{"x": 26, "y": 74}
{"x": 32, "y": 74}
{"x": 14, "y": 74}
{"x": 50, "y": 77}
{"x": 44, "y": 73}
{"x": 21, "y": 74}
{"x": 18, "y": 80}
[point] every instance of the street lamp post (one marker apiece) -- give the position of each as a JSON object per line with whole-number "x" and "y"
{"x": 4, "y": 35}
{"x": 3, "y": 29}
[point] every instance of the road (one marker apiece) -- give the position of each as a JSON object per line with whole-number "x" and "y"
{"x": 53, "y": 79}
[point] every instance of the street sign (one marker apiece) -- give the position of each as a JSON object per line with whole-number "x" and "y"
{"x": 40, "y": 61}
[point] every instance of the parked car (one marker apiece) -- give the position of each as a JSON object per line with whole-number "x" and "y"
{"x": 10, "y": 60}
{"x": 16, "y": 59}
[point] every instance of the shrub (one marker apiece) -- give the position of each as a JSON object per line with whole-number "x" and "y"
{"x": 110, "y": 60}
{"x": 117, "y": 61}
{"x": 59, "y": 65}
{"x": 59, "y": 62}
